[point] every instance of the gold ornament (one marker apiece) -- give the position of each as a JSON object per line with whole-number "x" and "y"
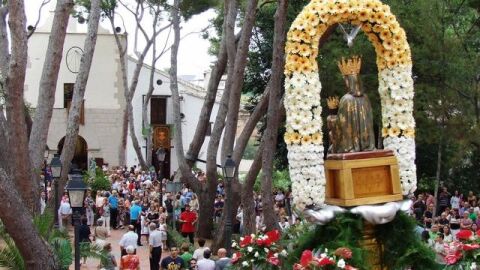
{"x": 350, "y": 66}
{"x": 332, "y": 102}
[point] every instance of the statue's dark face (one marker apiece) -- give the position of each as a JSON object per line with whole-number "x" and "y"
{"x": 354, "y": 85}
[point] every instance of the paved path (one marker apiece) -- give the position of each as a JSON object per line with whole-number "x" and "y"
{"x": 115, "y": 237}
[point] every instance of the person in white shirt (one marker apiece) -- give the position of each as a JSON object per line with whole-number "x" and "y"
{"x": 128, "y": 239}
{"x": 198, "y": 253}
{"x": 155, "y": 246}
{"x": 455, "y": 200}
{"x": 64, "y": 212}
{"x": 206, "y": 263}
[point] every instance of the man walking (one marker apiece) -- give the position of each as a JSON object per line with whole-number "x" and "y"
{"x": 135, "y": 219}
{"x": 155, "y": 247}
{"x": 113, "y": 202}
{"x": 223, "y": 261}
{"x": 128, "y": 239}
{"x": 188, "y": 219}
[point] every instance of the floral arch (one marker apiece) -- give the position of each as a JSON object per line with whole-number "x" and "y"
{"x": 304, "y": 136}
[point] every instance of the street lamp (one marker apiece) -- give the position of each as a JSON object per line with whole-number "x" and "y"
{"x": 56, "y": 167}
{"x": 76, "y": 193}
{"x": 229, "y": 169}
{"x": 161, "y": 153}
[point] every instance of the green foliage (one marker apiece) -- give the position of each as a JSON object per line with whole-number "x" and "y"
{"x": 100, "y": 182}
{"x": 176, "y": 239}
{"x": 250, "y": 150}
{"x": 193, "y": 7}
{"x": 402, "y": 247}
{"x": 281, "y": 181}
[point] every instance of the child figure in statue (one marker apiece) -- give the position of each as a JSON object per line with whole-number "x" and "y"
{"x": 354, "y": 123}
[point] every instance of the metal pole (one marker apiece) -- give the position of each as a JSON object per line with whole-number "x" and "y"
{"x": 55, "y": 208}
{"x": 76, "y": 222}
{"x": 228, "y": 216}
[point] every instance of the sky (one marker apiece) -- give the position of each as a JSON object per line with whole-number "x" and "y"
{"x": 193, "y": 57}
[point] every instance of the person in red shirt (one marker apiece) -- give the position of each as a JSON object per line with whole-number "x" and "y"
{"x": 188, "y": 219}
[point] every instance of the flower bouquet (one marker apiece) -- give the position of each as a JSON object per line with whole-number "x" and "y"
{"x": 337, "y": 260}
{"x": 465, "y": 252}
{"x": 258, "y": 251}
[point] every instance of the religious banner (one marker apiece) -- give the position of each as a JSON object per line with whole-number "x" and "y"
{"x": 161, "y": 137}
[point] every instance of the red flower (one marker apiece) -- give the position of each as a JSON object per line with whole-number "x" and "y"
{"x": 464, "y": 234}
{"x": 325, "y": 261}
{"x": 236, "y": 257}
{"x": 247, "y": 240}
{"x": 273, "y": 260}
{"x": 298, "y": 267}
{"x": 478, "y": 233}
{"x": 467, "y": 247}
{"x": 274, "y": 235}
{"x": 345, "y": 253}
{"x": 452, "y": 258}
{"x": 307, "y": 257}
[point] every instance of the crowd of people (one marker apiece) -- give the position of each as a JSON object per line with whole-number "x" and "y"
{"x": 441, "y": 219}
{"x": 140, "y": 203}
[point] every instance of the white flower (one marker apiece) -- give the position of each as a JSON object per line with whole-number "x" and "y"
{"x": 284, "y": 253}
{"x": 234, "y": 244}
{"x": 249, "y": 249}
{"x": 245, "y": 264}
{"x": 256, "y": 254}
{"x": 341, "y": 263}
{"x": 473, "y": 266}
{"x": 266, "y": 250}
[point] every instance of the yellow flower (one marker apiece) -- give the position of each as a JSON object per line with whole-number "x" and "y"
{"x": 311, "y": 30}
{"x": 367, "y": 28}
{"x": 304, "y": 50}
{"x": 287, "y": 137}
{"x": 352, "y": 5}
{"x": 324, "y": 17}
{"x": 409, "y": 133}
{"x": 295, "y": 138}
{"x": 388, "y": 44}
{"x": 394, "y": 132}
{"x": 369, "y": 5}
{"x": 299, "y": 24}
{"x": 322, "y": 28}
{"x": 312, "y": 19}
{"x": 385, "y": 34}
{"x": 392, "y": 63}
{"x": 379, "y": 16}
{"x": 397, "y": 39}
{"x": 371, "y": 17}
{"x": 341, "y": 7}
{"x": 317, "y": 138}
{"x": 332, "y": 7}
{"x": 363, "y": 15}
{"x": 381, "y": 64}
{"x": 377, "y": 28}
{"x": 384, "y": 132}
{"x": 306, "y": 140}
{"x": 295, "y": 35}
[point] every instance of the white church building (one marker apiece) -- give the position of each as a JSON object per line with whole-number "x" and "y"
{"x": 104, "y": 104}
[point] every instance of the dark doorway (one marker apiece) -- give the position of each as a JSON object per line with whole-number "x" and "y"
{"x": 80, "y": 158}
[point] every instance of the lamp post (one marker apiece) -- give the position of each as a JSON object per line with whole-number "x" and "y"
{"x": 161, "y": 153}
{"x": 229, "y": 168}
{"x": 56, "y": 167}
{"x": 45, "y": 172}
{"x": 76, "y": 193}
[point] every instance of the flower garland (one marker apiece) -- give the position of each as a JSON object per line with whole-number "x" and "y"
{"x": 465, "y": 251}
{"x": 303, "y": 135}
{"x": 337, "y": 260}
{"x": 260, "y": 250}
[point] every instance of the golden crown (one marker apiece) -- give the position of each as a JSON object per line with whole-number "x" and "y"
{"x": 332, "y": 102}
{"x": 350, "y": 66}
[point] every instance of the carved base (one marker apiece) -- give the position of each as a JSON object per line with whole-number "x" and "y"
{"x": 370, "y": 244}
{"x": 362, "y": 178}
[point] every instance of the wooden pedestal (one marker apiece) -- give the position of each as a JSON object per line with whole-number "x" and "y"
{"x": 362, "y": 178}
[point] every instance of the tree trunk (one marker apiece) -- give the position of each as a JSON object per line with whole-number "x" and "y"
{"x": 205, "y": 213}
{"x": 36, "y": 253}
{"x": 271, "y": 133}
{"x": 122, "y": 160}
{"x": 437, "y": 178}
{"x": 231, "y": 11}
{"x": 4, "y": 52}
{"x": 48, "y": 83}
{"x": 249, "y": 215}
{"x": 235, "y": 79}
{"x": 19, "y": 193}
{"x": 24, "y": 178}
{"x": 79, "y": 91}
